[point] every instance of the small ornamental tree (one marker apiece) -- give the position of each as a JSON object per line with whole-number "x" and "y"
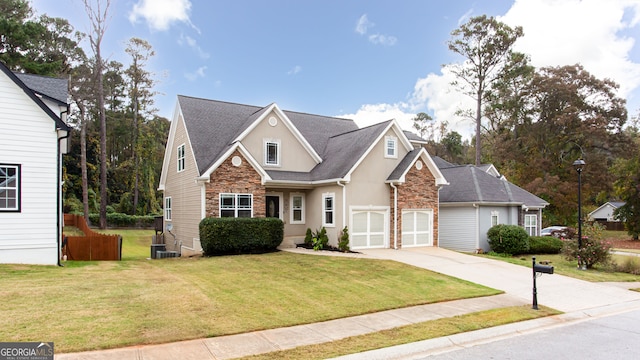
{"x": 508, "y": 239}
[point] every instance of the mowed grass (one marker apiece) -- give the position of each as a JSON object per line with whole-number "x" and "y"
{"x": 570, "y": 268}
{"x": 97, "y": 305}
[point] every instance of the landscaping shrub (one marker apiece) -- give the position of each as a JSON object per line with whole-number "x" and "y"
{"x": 593, "y": 251}
{"x": 221, "y": 236}
{"x": 630, "y": 265}
{"x": 308, "y": 237}
{"x": 320, "y": 239}
{"x": 508, "y": 239}
{"x": 545, "y": 245}
{"x": 343, "y": 243}
{"x": 124, "y": 220}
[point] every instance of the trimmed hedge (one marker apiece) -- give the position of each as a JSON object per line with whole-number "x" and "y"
{"x": 124, "y": 220}
{"x": 508, "y": 239}
{"x": 545, "y": 245}
{"x": 222, "y": 236}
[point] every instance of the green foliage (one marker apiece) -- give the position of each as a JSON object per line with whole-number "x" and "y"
{"x": 320, "y": 239}
{"x": 592, "y": 252}
{"x": 308, "y": 237}
{"x": 627, "y": 189}
{"x": 343, "y": 243}
{"x": 220, "y": 236}
{"x": 115, "y": 220}
{"x": 545, "y": 245}
{"x": 593, "y": 230}
{"x": 508, "y": 239}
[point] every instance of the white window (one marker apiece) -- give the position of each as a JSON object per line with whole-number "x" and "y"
{"x": 494, "y": 218}
{"x": 328, "y": 209}
{"x": 390, "y": 149}
{"x": 236, "y": 205}
{"x": 531, "y": 224}
{"x": 272, "y": 152}
{"x": 181, "y": 158}
{"x": 167, "y": 208}
{"x": 297, "y": 208}
{"x": 9, "y": 187}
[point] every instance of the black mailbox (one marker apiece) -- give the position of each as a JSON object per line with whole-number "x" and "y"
{"x": 545, "y": 269}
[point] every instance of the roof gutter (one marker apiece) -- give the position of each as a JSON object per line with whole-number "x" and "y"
{"x": 59, "y": 224}
{"x": 344, "y": 203}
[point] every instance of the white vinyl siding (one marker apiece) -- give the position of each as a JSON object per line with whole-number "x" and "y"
{"x": 28, "y": 138}
{"x": 417, "y": 228}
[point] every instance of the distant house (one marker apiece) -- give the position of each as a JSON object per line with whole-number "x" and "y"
{"x": 232, "y": 160}
{"x": 604, "y": 213}
{"x": 32, "y": 141}
{"x": 478, "y": 198}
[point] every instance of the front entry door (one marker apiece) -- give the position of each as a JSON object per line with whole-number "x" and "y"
{"x": 273, "y": 206}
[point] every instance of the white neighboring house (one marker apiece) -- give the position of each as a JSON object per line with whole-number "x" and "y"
{"x": 605, "y": 212}
{"x": 32, "y": 142}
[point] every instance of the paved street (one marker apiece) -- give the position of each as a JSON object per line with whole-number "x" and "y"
{"x": 612, "y": 337}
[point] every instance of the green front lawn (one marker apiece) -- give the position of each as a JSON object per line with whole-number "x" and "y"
{"x": 96, "y": 305}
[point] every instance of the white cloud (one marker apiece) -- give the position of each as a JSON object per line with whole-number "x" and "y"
{"x": 161, "y": 14}
{"x": 296, "y": 69}
{"x": 199, "y": 73}
{"x": 363, "y": 25}
{"x": 362, "y": 28}
{"x": 557, "y": 33}
{"x": 191, "y": 42}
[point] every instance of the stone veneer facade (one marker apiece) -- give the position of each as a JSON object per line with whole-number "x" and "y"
{"x": 241, "y": 179}
{"x": 418, "y": 192}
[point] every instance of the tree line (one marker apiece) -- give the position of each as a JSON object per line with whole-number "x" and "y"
{"x": 117, "y": 141}
{"x": 532, "y": 123}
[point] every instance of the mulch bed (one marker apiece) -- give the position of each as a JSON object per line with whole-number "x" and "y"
{"x": 625, "y": 244}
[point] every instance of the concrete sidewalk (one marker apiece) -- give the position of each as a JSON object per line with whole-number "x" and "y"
{"x": 579, "y": 299}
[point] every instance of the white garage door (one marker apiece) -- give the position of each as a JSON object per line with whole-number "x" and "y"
{"x": 369, "y": 229}
{"x": 417, "y": 228}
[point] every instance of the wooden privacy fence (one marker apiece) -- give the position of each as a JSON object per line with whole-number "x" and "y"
{"x": 91, "y": 246}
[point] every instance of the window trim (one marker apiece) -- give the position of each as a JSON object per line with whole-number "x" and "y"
{"x": 236, "y": 208}
{"x": 496, "y": 215}
{"x": 533, "y": 226}
{"x": 181, "y": 155}
{"x": 275, "y": 142}
{"x": 17, "y": 188}
{"x": 325, "y": 211}
{"x": 168, "y": 209}
{"x": 293, "y": 208}
{"x": 391, "y": 140}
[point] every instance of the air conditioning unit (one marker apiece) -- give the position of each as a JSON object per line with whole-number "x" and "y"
{"x": 166, "y": 254}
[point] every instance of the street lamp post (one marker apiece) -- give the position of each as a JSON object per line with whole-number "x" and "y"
{"x": 579, "y": 166}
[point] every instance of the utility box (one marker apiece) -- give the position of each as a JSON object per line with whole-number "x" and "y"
{"x": 155, "y": 248}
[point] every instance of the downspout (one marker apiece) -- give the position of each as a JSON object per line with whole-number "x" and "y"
{"x": 395, "y": 216}
{"x": 59, "y": 192}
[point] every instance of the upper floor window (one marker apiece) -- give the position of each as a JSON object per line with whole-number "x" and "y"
{"x": 9, "y": 187}
{"x": 390, "y": 148}
{"x": 328, "y": 209}
{"x": 272, "y": 152}
{"x": 167, "y": 208}
{"x": 297, "y": 208}
{"x": 181, "y": 157}
{"x": 236, "y": 205}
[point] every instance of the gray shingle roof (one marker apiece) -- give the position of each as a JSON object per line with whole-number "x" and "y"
{"x": 213, "y": 125}
{"x": 54, "y": 88}
{"x": 468, "y": 183}
{"x": 404, "y": 164}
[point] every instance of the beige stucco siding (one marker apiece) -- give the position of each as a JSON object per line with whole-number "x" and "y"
{"x": 367, "y": 185}
{"x": 315, "y": 214}
{"x": 185, "y": 194}
{"x": 293, "y": 156}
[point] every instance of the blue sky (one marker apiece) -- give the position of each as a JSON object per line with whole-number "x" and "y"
{"x": 366, "y": 60}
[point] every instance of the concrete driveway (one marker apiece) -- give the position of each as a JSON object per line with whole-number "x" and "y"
{"x": 556, "y": 291}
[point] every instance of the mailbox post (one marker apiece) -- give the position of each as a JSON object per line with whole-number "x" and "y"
{"x": 538, "y": 268}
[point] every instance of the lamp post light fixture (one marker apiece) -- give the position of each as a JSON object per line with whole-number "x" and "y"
{"x": 579, "y": 166}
